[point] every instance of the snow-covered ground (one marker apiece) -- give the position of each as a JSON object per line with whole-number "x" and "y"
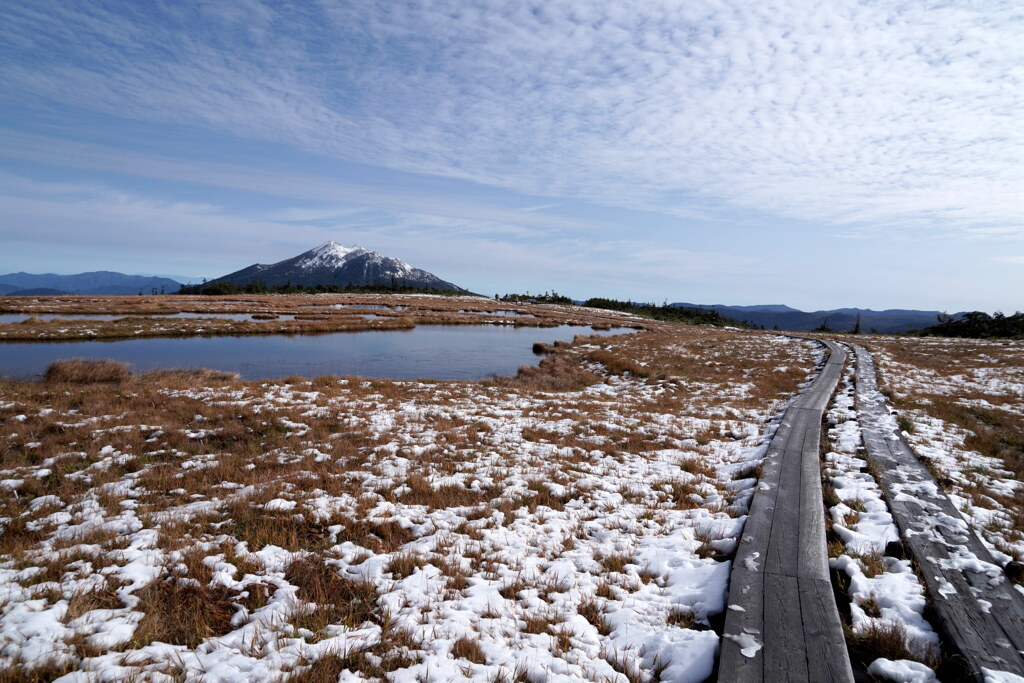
{"x": 887, "y": 601}
{"x": 961, "y": 404}
{"x": 190, "y": 527}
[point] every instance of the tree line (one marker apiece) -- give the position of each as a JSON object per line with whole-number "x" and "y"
{"x": 231, "y": 288}
{"x": 978, "y": 325}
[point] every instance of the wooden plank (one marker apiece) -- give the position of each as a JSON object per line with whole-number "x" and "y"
{"x": 783, "y": 537}
{"x": 979, "y": 613}
{"x": 785, "y": 652}
{"x": 812, "y": 555}
{"x": 745, "y": 616}
{"x": 827, "y": 658}
{"x": 753, "y": 546}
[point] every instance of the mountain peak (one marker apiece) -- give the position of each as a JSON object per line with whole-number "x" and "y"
{"x": 329, "y": 254}
{"x": 332, "y": 245}
{"x": 332, "y": 263}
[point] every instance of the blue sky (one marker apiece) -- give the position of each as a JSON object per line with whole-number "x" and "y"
{"x": 848, "y": 154}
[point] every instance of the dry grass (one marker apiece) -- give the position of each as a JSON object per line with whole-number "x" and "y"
{"x": 182, "y": 613}
{"x": 888, "y": 640}
{"x": 338, "y": 600}
{"x": 466, "y": 648}
{"x": 560, "y": 372}
{"x": 592, "y": 612}
{"x": 681, "y": 617}
{"x": 44, "y": 673}
{"x": 405, "y": 564}
{"x": 206, "y": 454}
{"x": 87, "y": 371}
{"x": 139, "y": 316}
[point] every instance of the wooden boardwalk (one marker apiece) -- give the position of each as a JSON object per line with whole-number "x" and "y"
{"x": 979, "y": 612}
{"x": 782, "y": 623}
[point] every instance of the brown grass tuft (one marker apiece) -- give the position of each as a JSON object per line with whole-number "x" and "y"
{"x": 87, "y": 371}
{"x": 556, "y": 373}
{"x": 464, "y": 648}
{"x": 182, "y": 613}
{"x": 888, "y": 640}
{"x": 680, "y": 617}
{"x": 338, "y": 600}
{"x": 592, "y": 612}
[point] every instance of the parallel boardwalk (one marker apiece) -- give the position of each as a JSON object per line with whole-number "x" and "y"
{"x": 978, "y": 610}
{"x": 782, "y": 623}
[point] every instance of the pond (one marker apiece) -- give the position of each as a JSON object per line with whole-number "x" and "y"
{"x": 426, "y": 351}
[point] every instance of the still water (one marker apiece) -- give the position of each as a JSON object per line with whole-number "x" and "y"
{"x": 426, "y": 351}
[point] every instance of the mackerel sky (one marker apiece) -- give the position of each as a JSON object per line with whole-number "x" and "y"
{"x": 815, "y": 154}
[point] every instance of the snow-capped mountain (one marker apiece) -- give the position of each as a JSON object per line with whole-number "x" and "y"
{"x": 335, "y": 264}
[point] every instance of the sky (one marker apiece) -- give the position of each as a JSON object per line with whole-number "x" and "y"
{"x": 820, "y": 155}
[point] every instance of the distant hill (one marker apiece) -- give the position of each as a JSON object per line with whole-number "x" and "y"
{"x": 94, "y": 283}
{"x": 764, "y": 308}
{"x": 332, "y": 264}
{"x": 840, "y": 319}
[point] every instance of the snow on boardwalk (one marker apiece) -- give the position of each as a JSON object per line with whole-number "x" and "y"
{"x": 980, "y": 612}
{"x": 782, "y": 621}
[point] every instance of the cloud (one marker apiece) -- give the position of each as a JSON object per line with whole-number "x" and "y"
{"x": 901, "y": 115}
{"x": 71, "y": 224}
{"x": 275, "y": 182}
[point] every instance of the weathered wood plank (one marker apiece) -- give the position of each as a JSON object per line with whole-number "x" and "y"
{"x": 827, "y": 658}
{"x": 812, "y": 554}
{"x": 744, "y": 620}
{"x": 783, "y": 539}
{"x": 979, "y": 611}
{"x": 785, "y": 650}
{"x": 782, "y": 543}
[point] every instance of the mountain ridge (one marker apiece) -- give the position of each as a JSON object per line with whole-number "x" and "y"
{"x": 333, "y": 264}
{"x": 97, "y": 282}
{"x": 889, "y": 321}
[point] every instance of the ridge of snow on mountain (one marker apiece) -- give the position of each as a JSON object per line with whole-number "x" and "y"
{"x": 334, "y": 264}
{"x": 329, "y": 254}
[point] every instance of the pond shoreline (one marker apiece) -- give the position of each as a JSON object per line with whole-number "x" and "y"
{"x": 444, "y": 352}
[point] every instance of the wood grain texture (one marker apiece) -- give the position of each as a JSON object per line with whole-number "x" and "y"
{"x": 979, "y": 612}
{"x": 779, "y": 589}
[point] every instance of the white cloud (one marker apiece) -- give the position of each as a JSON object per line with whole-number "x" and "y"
{"x": 75, "y": 224}
{"x": 895, "y": 114}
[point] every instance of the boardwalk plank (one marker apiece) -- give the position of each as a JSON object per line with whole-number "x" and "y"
{"x": 826, "y": 646}
{"x": 781, "y": 565}
{"x": 812, "y": 556}
{"x": 979, "y": 612}
{"x": 785, "y": 651}
{"x": 744, "y": 616}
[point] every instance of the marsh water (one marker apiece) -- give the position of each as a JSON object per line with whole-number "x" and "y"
{"x": 426, "y": 351}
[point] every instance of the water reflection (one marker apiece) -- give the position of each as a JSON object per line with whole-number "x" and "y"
{"x": 427, "y": 351}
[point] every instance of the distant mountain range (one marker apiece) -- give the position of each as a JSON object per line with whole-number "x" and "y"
{"x": 98, "y": 282}
{"x": 839, "y": 319}
{"x": 337, "y": 265}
